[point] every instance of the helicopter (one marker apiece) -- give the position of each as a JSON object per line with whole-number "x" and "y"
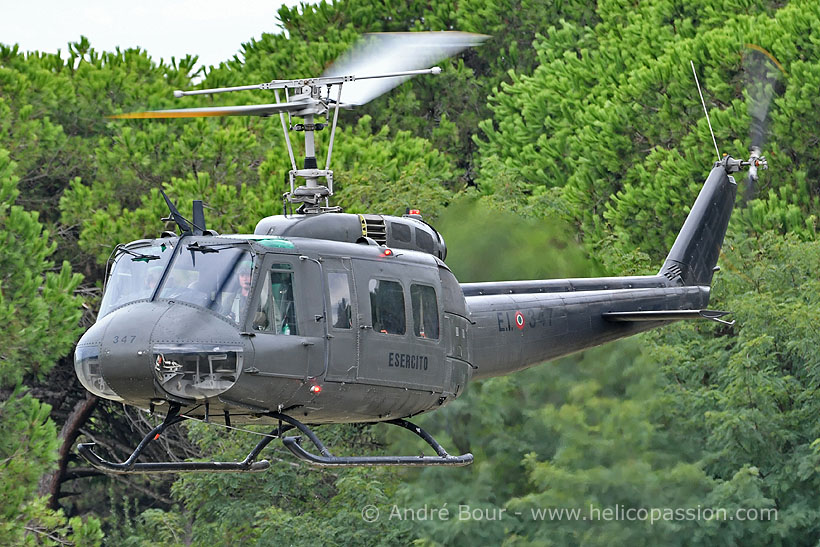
{"x": 322, "y": 316}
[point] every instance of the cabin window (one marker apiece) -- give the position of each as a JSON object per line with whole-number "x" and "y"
{"x": 387, "y": 306}
{"x": 275, "y": 311}
{"x": 425, "y": 311}
{"x": 341, "y": 312}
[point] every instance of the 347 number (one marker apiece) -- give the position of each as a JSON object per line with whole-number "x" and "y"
{"x": 127, "y": 339}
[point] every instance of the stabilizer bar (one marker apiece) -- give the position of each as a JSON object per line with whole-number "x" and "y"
{"x": 666, "y": 315}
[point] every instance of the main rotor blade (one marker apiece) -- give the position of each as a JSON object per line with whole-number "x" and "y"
{"x": 390, "y": 52}
{"x": 218, "y": 111}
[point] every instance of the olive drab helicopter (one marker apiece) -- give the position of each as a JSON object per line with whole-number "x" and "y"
{"x": 321, "y": 316}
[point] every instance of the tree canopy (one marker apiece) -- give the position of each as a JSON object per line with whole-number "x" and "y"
{"x": 574, "y": 139}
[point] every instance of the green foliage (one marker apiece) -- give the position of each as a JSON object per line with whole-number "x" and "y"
{"x": 390, "y": 173}
{"x": 289, "y": 504}
{"x": 593, "y": 130}
{"x": 339, "y": 521}
{"x": 691, "y": 418}
{"x": 51, "y": 109}
{"x": 386, "y": 173}
{"x": 41, "y": 317}
{"x": 747, "y": 394}
{"x": 532, "y": 248}
{"x": 37, "y": 303}
{"x": 611, "y": 117}
{"x": 28, "y": 445}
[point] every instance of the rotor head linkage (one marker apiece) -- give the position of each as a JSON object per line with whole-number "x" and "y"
{"x": 386, "y": 59}
{"x": 755, "y": 162}
{"x": 307, "y": 103}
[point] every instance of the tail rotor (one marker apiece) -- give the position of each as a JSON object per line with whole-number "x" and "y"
{"x": 763, "y": 76}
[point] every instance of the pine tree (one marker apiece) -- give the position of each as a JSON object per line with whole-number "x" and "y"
{"x": 42, "y": 322}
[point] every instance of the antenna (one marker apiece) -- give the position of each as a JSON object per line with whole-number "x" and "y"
{"x": 704, "y": 109}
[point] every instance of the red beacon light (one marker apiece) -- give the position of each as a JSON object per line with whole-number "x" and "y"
{"x": 387, "y": 253}
{"x": 316, "y": 389}
{"x": 414, "y": 212}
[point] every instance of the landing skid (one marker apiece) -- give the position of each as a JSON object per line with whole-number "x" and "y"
{"x": 131, "y": 466}
{"x": 286, "y": 423}
{"x": 326, "y": 459}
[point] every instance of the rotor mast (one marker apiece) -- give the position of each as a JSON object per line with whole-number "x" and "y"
{"x": 308, "y": 102}
{"x": 386, "y": 59}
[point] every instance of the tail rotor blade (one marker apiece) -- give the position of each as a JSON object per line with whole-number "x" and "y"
{"x": 763, "y": 79}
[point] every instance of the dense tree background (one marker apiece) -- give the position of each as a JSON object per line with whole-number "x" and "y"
{"x": 574, "y": 139}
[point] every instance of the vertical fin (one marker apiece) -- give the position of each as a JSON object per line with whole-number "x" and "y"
{"x": 694, "y": 255}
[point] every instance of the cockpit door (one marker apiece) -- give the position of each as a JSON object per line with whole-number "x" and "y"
{"x": 287, "y": 341}
{"x": 342, "y": 320}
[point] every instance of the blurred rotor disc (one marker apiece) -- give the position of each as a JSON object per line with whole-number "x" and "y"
{"x": 389, "y": 52}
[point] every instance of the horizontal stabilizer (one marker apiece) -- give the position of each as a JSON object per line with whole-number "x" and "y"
{"x": 666, "y": 315}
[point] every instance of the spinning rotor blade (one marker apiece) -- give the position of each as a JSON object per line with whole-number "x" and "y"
{"x": 382, "y": 61}
{"x": 391, "y": 52}
{"x": 763, "y": 75}
{"x": 218, "y": 111}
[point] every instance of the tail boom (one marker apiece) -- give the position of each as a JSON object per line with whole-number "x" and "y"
{"x": 515, "y": 331}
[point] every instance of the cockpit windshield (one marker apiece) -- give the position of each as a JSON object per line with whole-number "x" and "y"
{"x": 220, "y": 281}
{"x": 135, "y": 275}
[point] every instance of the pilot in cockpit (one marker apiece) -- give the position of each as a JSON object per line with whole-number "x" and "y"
{"x": 243, "y": 290}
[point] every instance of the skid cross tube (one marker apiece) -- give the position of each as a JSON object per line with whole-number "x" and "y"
{"x": 326, "y": 459}
{"x": 130, "y": 465}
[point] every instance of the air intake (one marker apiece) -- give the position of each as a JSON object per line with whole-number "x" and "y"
{"x": 374, "y": 228}
{"x": 673, "y": 272}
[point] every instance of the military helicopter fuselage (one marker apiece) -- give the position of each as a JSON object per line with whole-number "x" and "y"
{"x": 329, "y": 329}
{"x": 356, "y": 318}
